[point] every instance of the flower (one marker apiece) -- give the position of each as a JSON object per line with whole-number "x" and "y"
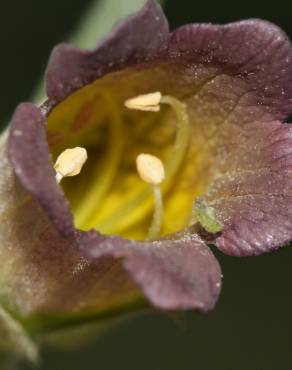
{"x": 217, "y": 96}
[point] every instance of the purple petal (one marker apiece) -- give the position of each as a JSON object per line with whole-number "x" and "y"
{"x": 253, "y": 198}
{"x": 253, "y": 51}
{"x": 137, "y": 38}
{"x": 29, "y": 154}
{"x": 173, "y": 274}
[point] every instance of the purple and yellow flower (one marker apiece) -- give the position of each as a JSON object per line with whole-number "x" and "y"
{"x": 202, "y": 108}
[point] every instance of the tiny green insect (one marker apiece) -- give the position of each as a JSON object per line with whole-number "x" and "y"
{"x": 206, "y": 216}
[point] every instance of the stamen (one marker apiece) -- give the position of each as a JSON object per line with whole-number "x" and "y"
{"x": 137, "y": 205}
{"x": 151, "y": 170}
{"x": 206, "y": 217}
{"x": 70, "y": 162}
{"x": 147, "y": 102}
{"x": 151, "y": 102}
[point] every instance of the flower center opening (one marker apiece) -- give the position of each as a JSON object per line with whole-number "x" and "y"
{"x": 115, "y": 128}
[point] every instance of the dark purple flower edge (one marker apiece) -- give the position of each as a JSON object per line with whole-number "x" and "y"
{"x": 250, "y": 57}
{"x": 29, "y": 154}
{"x": 113, "y": 54}
{"x": 136, "y": 39}
{"x": 178, "y": 274}
{"x": 254, "y": 50}
{"x": 172, "y": 274}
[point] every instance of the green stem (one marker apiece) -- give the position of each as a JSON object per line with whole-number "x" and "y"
{"x": 42, "y": 327}
{"x": 16, "y": 338}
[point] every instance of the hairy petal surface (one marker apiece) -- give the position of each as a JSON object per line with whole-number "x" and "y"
{"x": 251, "y": 190}
{"x": 29, "y": 154}
{"x": 42, "y": 274}
{"x": 253, "y": 198}
{"x": 135, "y": 39}
{"x": 172, "y": 273}
{"x": 256, "y": 56}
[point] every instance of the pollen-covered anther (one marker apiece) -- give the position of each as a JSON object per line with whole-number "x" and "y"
{"x": 147, "y": 102}
{"x": 150, "y": 169}
{"x": 70, "y": 162}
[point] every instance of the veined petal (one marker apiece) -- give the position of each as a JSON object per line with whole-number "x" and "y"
{"x": 173, "y": 274}
{"x": 254, "y": 53}
{"x": 253, "y": 197}
{"x": 135, "y": 39}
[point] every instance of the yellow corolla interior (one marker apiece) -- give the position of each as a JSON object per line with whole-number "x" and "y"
{"x": 108, "y": 195}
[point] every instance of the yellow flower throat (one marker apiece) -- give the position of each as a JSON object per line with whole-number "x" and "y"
{"x": 108, "y": 195}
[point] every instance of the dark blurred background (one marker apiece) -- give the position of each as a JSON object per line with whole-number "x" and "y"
{"x": 252, "y": 324}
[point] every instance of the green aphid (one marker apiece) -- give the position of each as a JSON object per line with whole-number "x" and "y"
{"x": 206, "y": 216}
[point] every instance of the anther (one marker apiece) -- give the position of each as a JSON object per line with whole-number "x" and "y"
{"x": 70, "y": 162}
{"x": 150, "y": 169}
{"x": 147, "y": 102}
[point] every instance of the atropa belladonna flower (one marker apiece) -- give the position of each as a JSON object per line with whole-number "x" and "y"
{"x": 199, "y": 113}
